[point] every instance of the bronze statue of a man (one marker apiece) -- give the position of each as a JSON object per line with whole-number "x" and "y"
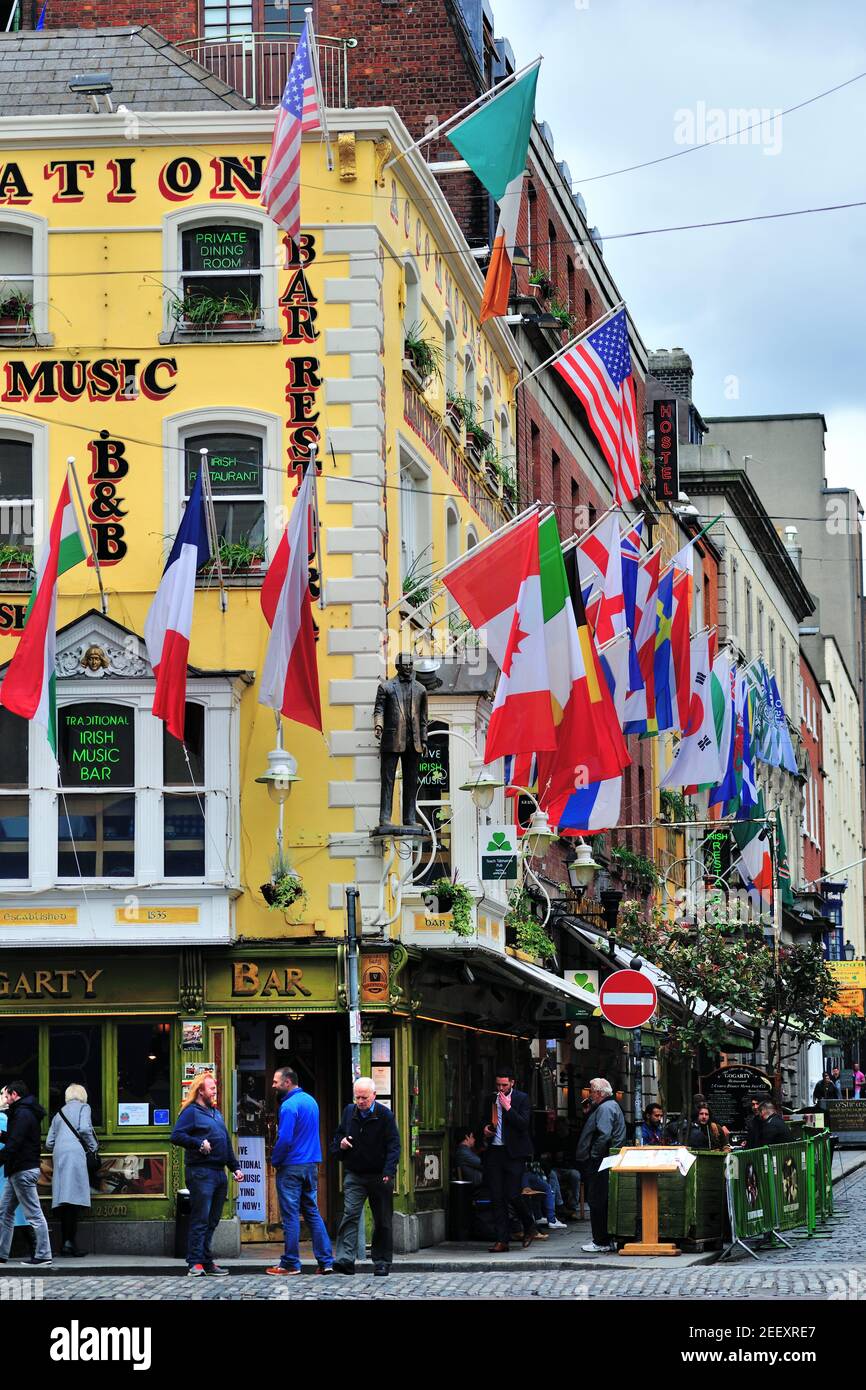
{"x": 400, "y": 726}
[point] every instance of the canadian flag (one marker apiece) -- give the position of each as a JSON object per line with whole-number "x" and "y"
{"x": 290, "y": 679}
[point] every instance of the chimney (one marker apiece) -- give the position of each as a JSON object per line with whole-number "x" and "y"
{"x": 673, "y": 368}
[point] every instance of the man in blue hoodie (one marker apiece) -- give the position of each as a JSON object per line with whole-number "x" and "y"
{"x": 296, "y": 1157}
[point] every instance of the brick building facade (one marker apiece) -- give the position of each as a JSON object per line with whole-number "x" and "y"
{"x": 812, "y": 734}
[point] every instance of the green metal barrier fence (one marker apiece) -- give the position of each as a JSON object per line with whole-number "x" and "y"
{"x": 751, "y": 1201}
{"x": 789, "y": 1170}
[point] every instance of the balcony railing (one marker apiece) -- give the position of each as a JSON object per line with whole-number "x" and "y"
{"x": 257, "y": 65}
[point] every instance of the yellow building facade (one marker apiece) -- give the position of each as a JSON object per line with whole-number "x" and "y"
{"x": 136, "y": 943}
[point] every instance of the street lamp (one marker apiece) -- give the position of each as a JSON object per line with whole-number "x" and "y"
{"x": 850, "y": 950}
{"x": 539, "y": 834}
{"x": 281, "y": 774}
{"x": 482, "y": 785}
{"x": 581, "y": 867}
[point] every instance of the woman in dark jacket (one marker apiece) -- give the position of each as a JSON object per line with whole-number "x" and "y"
{"x": 704, "y": 1133}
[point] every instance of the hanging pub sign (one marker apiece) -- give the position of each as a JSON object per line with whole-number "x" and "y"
{"x": 96, "y": 745}
{"x": 717, "y": 854}
{"x": 666, "y": 450}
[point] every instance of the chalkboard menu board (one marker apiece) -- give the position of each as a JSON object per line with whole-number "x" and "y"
{"x": 846, "y": 1115}
{"x": 234, "y": 462}
{"x": 728, "y": 1091}
{"x": 220, "y": 247}
{"x": 96, "y": 745}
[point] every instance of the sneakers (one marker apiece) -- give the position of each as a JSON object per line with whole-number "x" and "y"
{"x": 542, "y": 1221}
{"x": 592, "y": 1249}
{"x": 44, "y": 1261}
{"x": 196, "y": 1272}
{"x": 216, "y": 1271}
{"x": 280, "y": 1270}
{"x": 557, "y": 1225}
{"x": 325, "y": 1269}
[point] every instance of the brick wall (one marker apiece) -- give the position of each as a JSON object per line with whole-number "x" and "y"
{"x": 176, "y": 19}
{"x": 813, "y": 855}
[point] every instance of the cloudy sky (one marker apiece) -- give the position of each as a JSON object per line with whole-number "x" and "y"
{"x": 772, "y": 313}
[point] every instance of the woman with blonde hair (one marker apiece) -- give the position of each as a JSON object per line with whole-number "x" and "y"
{"x": 201, "y": 1132}
{"x": 70, "y": 1140}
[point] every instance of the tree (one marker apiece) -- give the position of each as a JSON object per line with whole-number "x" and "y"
{"x": 848, "y": 1030}
{"x": 712, "y": 961}
{"x": 794, "y": 992}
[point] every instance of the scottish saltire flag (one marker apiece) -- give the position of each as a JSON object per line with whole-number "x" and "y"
{"x": 630, "y": 558}
{"x": 597, "y": 805}
{"x": 298, "y": 111}
{"x": 168, "y": 627}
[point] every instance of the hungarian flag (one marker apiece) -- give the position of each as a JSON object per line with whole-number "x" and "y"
{"x": 494, "y": 142}
{"x": 640, "y": 705}
{"x": 499, "y": 590}
{"x": 29, "y": 686}
{"x": 755, "y": 864}
{"x": 589, "y": 742}
{"x": 169, "y": 623}
{"x": 696, "y": 759}
{"x": 596, "y": 805}
{"x": 290, "y": 679}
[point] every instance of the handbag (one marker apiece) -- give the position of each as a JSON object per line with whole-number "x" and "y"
{"x": 94, "y": 1161}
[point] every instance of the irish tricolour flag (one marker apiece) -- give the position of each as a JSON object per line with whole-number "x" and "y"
{"x": 494, "y": 142}
{"x": 28, "y": 688}
{"x": 499, "y": 590}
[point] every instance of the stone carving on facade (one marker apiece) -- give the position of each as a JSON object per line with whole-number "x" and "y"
{"x": 123, "y": 660}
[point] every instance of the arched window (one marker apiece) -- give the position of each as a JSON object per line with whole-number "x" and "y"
{"x": 470, "y": 389}
{"x": 450, "y": 357}
{"x": 227, "y": 277}
{"x": 471, "y": 538}
{"x": 412, "y": 324}
{"x": 487, "y": 409}
{"x": 505, "y": 435}
{"x": 23, "y": 284}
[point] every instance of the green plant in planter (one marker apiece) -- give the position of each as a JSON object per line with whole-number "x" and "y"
{"x": 285, "y": 888}
{"x": 240, "y": 555}
{"x": 541, "y": 278}
{"x": 11, "y": 555}
{"x": 15, "y": 304}
{"x": 455, "y": 898}
{"x": 204, "y": 312}
{"x": 675, "y": 807}
{"x": 509, "y": 483}
{"x": 561, "y": 312}
{"x": 416, "y": 581}
{"x": 529, "y": 934}
{"x": 636, "y": 864}
{"x": 426, "y": 354}
{"x": 479, "y": 436}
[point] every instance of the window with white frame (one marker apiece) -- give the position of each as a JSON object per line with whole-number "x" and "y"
{"x": 220, "y": 272}
{"x": 23, "y": 274}
{"x": 415, "y": 525}
{"x": 14, "y": 801}
{"x": 96, "y": 768}
{"x": 184, "y": 785}
{"x": 412, "y": 322}
{"x": 450, "y": 357}
{"x": 470, "y": 389}
{"x": 487, "y": 409}
{"x": 16, "y": 503}
{"x": 505, "y": 435}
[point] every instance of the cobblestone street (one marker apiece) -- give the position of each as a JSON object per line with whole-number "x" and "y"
{"x": 831, "y": 1268}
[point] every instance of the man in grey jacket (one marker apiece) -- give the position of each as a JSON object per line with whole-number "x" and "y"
{"x": 604, "y": 1130}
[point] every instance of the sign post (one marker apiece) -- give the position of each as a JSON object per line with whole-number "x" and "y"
{"x": 628, "y": 999}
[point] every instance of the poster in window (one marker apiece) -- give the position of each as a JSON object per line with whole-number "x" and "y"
{"x": 381, "y": 1078}
{"x": 120, "y": 1175}
{"x": 190, "y": 1071}
{"x": 380, "y": 1050}
{"x": 192, "y": 1035}
{"x": 252, "y": 1204}
{"x": 133, "y": 1113}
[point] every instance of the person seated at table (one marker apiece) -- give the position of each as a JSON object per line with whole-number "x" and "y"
{"x": 652, "y": 1130}
{"x": 703, "y": 1132}
{"x": 467, "y": 1160}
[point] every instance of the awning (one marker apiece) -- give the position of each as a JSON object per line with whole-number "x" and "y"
{"x": 622, "y": 959}
{"x": 520, "y": 974}
{"x": 648, "y": 1036}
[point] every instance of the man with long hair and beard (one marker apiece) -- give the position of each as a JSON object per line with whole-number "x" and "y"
{"x": 201, "y": 1132}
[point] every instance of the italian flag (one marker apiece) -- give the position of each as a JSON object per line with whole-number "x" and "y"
{"x": 494, "y": 142}
{"x": 28, "y": 688}
{"x": 589, "y": 742}
{"x": 499, "y": 590}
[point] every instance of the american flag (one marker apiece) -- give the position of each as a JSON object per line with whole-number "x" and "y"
{"x": 298, "y": 111}
{"x": 598, "y": 370}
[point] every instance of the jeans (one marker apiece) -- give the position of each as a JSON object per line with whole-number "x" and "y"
{"x": 297, "y": 1184}
{"x": 21, "y": 1187}
{"x": 545, "y": 1191}
{"x": 572, "y": 1179}
{"x": 357, "y": 1189}
{"x": 207, "y": 1192}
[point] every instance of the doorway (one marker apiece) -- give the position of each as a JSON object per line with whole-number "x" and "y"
{"x": 311, "y": 1047}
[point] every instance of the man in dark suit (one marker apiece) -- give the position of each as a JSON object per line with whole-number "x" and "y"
{"x": 400, "y": 727}
{"x": 509, "y": 1147}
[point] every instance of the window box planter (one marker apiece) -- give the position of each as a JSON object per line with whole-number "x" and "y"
{"x": 453, "y": 424}
{"x": 410, "y": 371}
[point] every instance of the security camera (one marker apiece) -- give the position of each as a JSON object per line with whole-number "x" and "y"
{"x": 91, "y": 84}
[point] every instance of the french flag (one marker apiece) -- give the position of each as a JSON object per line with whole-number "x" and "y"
{"x": 169, "y": 622}
{"x": 290, "y": 679}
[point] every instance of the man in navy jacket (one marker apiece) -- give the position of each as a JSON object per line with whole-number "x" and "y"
{"x": 296, "y": 1157}
{"x": 201, "y": 1132}
{"x": 509, "y": 1147}
{"x": 367, "y": 1143}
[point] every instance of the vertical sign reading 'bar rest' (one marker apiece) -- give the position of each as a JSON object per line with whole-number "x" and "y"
{"x": 666, "y": 451}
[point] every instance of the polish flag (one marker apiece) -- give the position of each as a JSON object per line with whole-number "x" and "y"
{"x": 290, "y": 679}
{"x": 169, "y": 622}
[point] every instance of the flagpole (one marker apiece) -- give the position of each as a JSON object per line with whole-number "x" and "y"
{"x": 212, "y": 530}
{"x": 317, "y": 82}
{"x": 572, "y": 342}
{"x": 494, "y": 536}
{"x": 103, "y": 597}
{"x": 574, "y": 541}
{"x": 449, "y": 121}
{"x": 313, "y": 489}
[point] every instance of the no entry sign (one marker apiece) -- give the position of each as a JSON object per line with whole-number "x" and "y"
{"x": 628, "y": 998}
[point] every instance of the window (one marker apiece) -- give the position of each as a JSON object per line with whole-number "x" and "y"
{"x": 276, "y": 13}
{"x": 16, "y": 280}
{"x": 75, "y": 1059}
{"x": 535, "y": 456}
{"x": 487, "y": 409}
{"x": 16, "y": 506}
{"x": 184, "y": 819}
{"x": 412, "y": 318}
{"x": 554, "y": 478}
{"x": 450, "y": 357}
{"x": 761, "y": 647}
{"x": 505, "y": 436}
{"x": 221, "y": 283}
{"x": 222, "y": 17}
{"x": 415, "y": 522}
{"x": 14, "y": 807}
{"x": 236, "y": 466}
{"x": 96, "y": 825}
{"x": 144, "y": 1065}
{"x": 551, "y": 250}
{"x": 532, "y": 222}
{"x": 735, "y": 599}
{"x": 749, "y": 647}
{"x": 19, "y": 1054}
{"x": 470, "y": 389}
{"x": 571, "y": 284}
{"x": 587, "y": 307}
{"x": 434, "y": 800}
